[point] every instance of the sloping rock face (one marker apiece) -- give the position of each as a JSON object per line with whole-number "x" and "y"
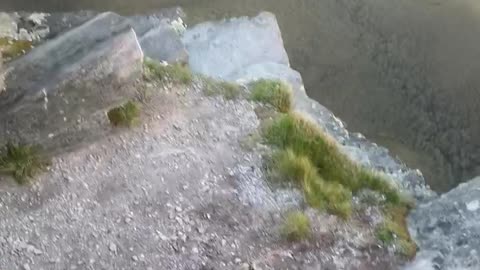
{"x": 225, "y": 50}
{"x": 83, "y": 56}
{"x": 54, "y": 92}
{"x": 447, "y": 230}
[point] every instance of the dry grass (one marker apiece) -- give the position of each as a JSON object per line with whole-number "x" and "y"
{"x": 275, "y": 93}
{"x": 177, "y": 73}
{"x": 226, "y": 89}
{"x": 296, "y": 227}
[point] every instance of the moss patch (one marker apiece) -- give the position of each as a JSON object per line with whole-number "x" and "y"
{"x": 22, "y": 162}
{"x": 178, "y": 73}
{"x": 11, "y": 49}
{"x": 296, "y": 227}
{"x": 275, "y": 93}
{"x": 125, "y": 115}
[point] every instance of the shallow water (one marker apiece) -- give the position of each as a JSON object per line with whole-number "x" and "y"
{"x": 404, "y": 73}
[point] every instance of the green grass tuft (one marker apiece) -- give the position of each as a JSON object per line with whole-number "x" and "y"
{"x": 178, "y": 73}
{"x": 22, "y": 162}
{"x": 13, "y": 48}
{"x": 296, "y": 227}
{"x": 313, "y": 154}
{"x": 275, "y": 93}
{"x": 226, "y": 89}
{"x": 318, "y": 193}
{"x": 125, "y": 115}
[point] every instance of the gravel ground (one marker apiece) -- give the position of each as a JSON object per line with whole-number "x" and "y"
{"x": 177, "y": 192}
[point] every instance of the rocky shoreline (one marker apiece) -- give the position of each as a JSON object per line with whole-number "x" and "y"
{"x": 75, "y": 50}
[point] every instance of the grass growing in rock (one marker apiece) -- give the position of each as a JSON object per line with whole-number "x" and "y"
{"x": 125, "y": 115}
{"x": 22, "y": 162}
{"x": 306, "y": 156}
{"x": 226, "y": 89}
{"x": 394, "y": 230}
{"x": 177, "y": 72}
{"x": 294, "y": 132}
{"x": 296, "y": 227}
{"x": 275, "y": 93}
{"x": 13, "y": 48}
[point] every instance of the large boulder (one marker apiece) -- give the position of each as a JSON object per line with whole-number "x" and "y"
{"x": 247, "y": 49}
{"x": 447, "y": 230}
{"x": 58, "y": 93}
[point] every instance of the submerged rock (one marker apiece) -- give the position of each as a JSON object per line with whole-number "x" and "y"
{"x": 447, "y": 230}
{"x": 56, "y": 90}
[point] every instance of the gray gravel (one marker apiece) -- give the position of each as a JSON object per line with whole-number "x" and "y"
{"x": 177, "y": 192}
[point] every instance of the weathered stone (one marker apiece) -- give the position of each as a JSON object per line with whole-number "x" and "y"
{"x": 447, "y": 230}
{"x": 235, "y": 44}
{"x": 61, "y": 22}
{"x": 163, "y": 43}
{"x": 159, "y": 37}
{"x": 56, "y": 91}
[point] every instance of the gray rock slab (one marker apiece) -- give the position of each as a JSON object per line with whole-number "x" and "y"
{"x": 447, "y": 230}
{"x": 220, "y": 49}
{"x": 163, "y": 43}
{"x": 56, "y": 90}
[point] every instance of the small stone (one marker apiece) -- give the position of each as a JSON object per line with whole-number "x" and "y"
{"x": 238, "y": 260}
{"x": 26, "y": 267}
{"x": 178, "y": 209}
{"x": 134, "y": 258}
{"x": 201, "y": 230}
{"x": 112, "y": 247}
{"x": 473, "y": 205}
{"x": 195, "y": 250}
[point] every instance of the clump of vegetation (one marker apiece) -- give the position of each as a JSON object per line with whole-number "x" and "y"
{"x": 22, "y": 162}
{"x": 226, "y": 89}
{"x": 318, "y": 193}
{"x": 296, "y": 227}
{"x": 294, "y": 131}
{"x": 125, "y": 115}
{"x": 13, "y": 48}
{"x": 275, "y": 93}
{"x": 394, "y": 230}
{"x": 313, "y": 159}
{"x": 178, "y": 73}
